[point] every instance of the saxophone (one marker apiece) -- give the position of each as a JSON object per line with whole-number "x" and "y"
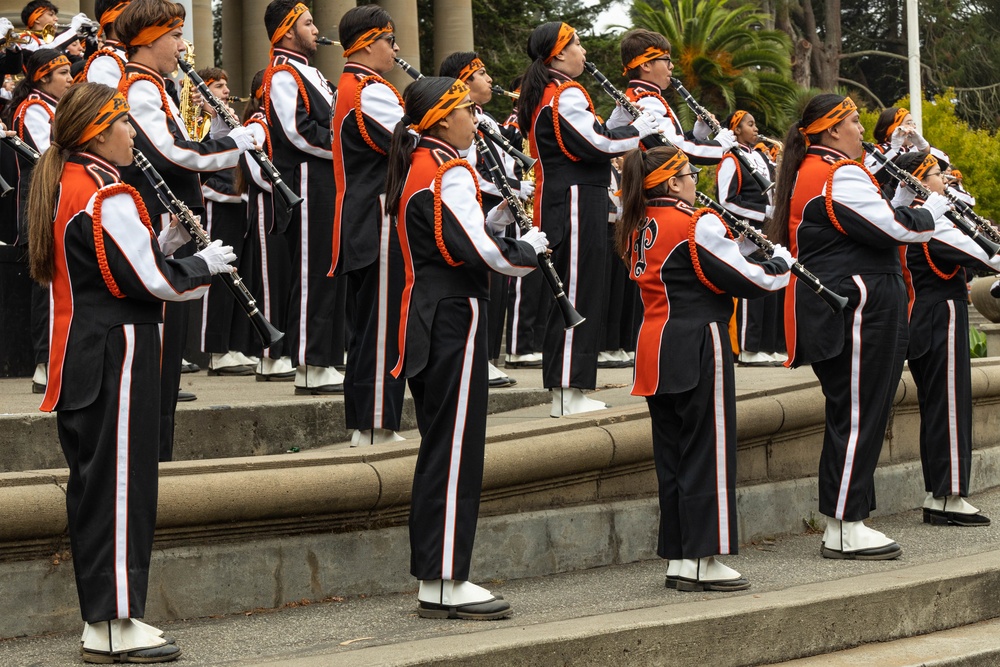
{"x": 194, "y": 120}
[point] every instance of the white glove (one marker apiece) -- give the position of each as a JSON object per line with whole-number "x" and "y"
{"x": 995, "y": 290}
{"x": 897, "y": 138}
{"x": 79, "y": 21}
{"x": 747, "y": 247}
{"x": 726, "y": 139}
{"x": 5, "y": 26}
{"x": 218, "y": 257}
{"x": 768, "y": 211}
{"x": 498, "y": 218}
{"x": 537, "y": 239}
{"x": 173, "y": 237}
{"x": 243, "y": 138}
{"x": 646, "y": 124}
{"x": 902, "y": 197}
{"x": 619, "y": 118}
{"x": 937, "y": 204}
{"x": 918, "y": 141}
{"x": 527, "y": 190}
{"x": 781, "y": 252}
{"x": 701, "y": 130}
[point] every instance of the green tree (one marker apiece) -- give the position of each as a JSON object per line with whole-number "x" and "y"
{"x": 726, "y": 57}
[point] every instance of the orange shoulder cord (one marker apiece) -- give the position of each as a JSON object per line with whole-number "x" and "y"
{"x": 367, "y": 81}
{"x": 267, "y": 134}
{"x": 555, "y": 114}
{"x": 131, "y": 78}
{"x": 23, "y": 109}
{"x": 938, "y": 272}
{"x": 829, "y": 190}
{"x": 693, "y": 248}
{"x": 438, "y": 216}
{"x": 104, "y": 51}
{"x": 102, "y": 257}
{"x": 269, "y": 74}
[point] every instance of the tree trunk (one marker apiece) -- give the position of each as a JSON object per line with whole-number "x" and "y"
{"x": 801, "y": 63}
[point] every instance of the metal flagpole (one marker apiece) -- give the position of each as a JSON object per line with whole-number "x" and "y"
{"x": 913, "y": 56}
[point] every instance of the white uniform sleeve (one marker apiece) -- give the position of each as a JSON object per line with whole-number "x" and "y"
{"x": 285, "y": 102}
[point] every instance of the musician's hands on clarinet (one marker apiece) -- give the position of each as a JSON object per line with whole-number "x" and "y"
{"x": 726, "y": 139}
{"x": 499, "y": 217}
{"x": 218, "y": 257}
{"x": 536, "y": 238}
{"x": 527, "y": 190}
{"x": 173, "y": 236}
{"x": 938, "y": 205}
{"x": 782, "y": 253}
{"x": 647, "y": 125}
{"x": 244, "y": 139}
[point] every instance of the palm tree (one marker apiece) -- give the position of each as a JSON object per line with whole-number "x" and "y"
{"x": 727, "y": 58}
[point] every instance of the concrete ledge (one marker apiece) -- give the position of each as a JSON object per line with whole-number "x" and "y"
{"x": 797, "y": 622}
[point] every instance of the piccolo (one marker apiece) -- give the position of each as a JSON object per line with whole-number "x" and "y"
{"x": 500, "y": 141}
{"x": 266, "y": 331}
{"x": 267, "y": 168}
{"x": 702, "y": 113}
{"x": 979, "y": 232}
{"x": 498, "y": 90}
{"x": 740, "y": 226}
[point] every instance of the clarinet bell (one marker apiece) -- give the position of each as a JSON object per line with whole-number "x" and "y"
{"x": 287, "y": 197}
{"x": 5, "y": 188}
{"x": 267, "y": 332}
{"x": 571, "y": 318}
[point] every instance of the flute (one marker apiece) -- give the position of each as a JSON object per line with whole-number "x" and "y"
{"x": 977, "y": 229}
{"x": 702, "y": 113}
{"x": 836, "y": 302}
{"x": 267, "y": 168}
{"x": 266, "y": 331}
{"x": 498, "y": 90}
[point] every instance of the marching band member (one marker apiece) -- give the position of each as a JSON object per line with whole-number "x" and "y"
{"x": 938, "y": 355}
{"x": 33, "y": 105}
{"x": 272, "y": 282}
{"x": 895, "y": 133}
{"x": 831, "y": 213}
{"x": 574, "y": 152}
{"x": 38, "y": 15}
{"x": 448, "y": 254}
{"x": 151, "y": 32}
{"x": 365, "y": 251}
{"x": 758, "y": 321}
{"x": 953, "y": 177}
{"x": 107, "y": 64}
{"x": 649, "y": 68}
{"x": 298, "y": 107}
{"x": 687, "y": 265}
{"x": 468, "y": 68}
{"x": 93, "y": 243}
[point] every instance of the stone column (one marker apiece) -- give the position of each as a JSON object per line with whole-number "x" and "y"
{"x": 330, "y": 59}
{"x": 256, "y": 46}
{"x": 404, "y": 15}
{"x": 200, "y": 18}
{"x": 232, "y": 48}
{"x": 87, "y": 7}
{"x": 452, "y": 29}
{"x": 188, "y": 23}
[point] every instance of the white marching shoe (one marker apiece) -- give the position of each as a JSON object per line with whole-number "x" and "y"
{"x": 704, "y": 574}
{"x": 952, "y": 511}
{"x": 228, "y": 364}
{"x": 125, "y": 640}
{"x": 275, "y": 370}
{"x": 497, "y": 378}
{"x": 459, "y": 599}
{"x": 374, "y": 436}
{"x": 571, "y": 401}
{"x": 853, "y": 540}
{"x": 40, "y": 379}
{"x": 313, "y": 380}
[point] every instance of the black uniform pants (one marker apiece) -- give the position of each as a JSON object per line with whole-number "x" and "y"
{"x": 859, "y": 385}
{"x": 450, "y": 394}
{"x": 527, "y": 304}
{"x": 271, "y": 282}
{"x": 760, "y": 323}
{"x": 570, "y": 357}
{"x": 219, "y": 331}
{"x": 111, "y": 449}
{"x": 944, "y": 392}
{"x": 694, "y": 449}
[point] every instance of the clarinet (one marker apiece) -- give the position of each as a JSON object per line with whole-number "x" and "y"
{"x": 498, "y": 139}
{"x": 281, "y": 190}
{"x": 266, "y": 331}
{"x": 979, "y": 232}
{"x": 702, "y": 113}
{"x": 571, "y": 318}
{"x": 836, "y": 302}
{"x": 22, "y": 149}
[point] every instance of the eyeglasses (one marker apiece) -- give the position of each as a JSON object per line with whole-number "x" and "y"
{"x": 470, "y": 105}
{"x": 692, "y": 174}
{"x": 391, "y": 38}
{"x": 666, "y": 59}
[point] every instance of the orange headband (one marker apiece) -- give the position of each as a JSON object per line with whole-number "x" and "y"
{"x": 562, "y": 41}
{"x": 444, "y": 106}
{"x": 956, "y": 174}
{"x": 668, "y": 169}
{"x": 925, "y": 166}
{"x": 367, "y": 39}
{"x": 286, "y": 23}
{"x": 651, "y": 53}
{"x": 50, "y": 67}
{"x": 471, "y": 69}
{"x": 110, "y": 15}
{"x": 151, "y": 33}
{"x": 831, "y": 118}
{"x": 209, "y": 82}
{"x": 897, "y": 120}
{"x": 112, "y": 110}
{"x": 35, "y": 15}
{"x": 737, "y": 119}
